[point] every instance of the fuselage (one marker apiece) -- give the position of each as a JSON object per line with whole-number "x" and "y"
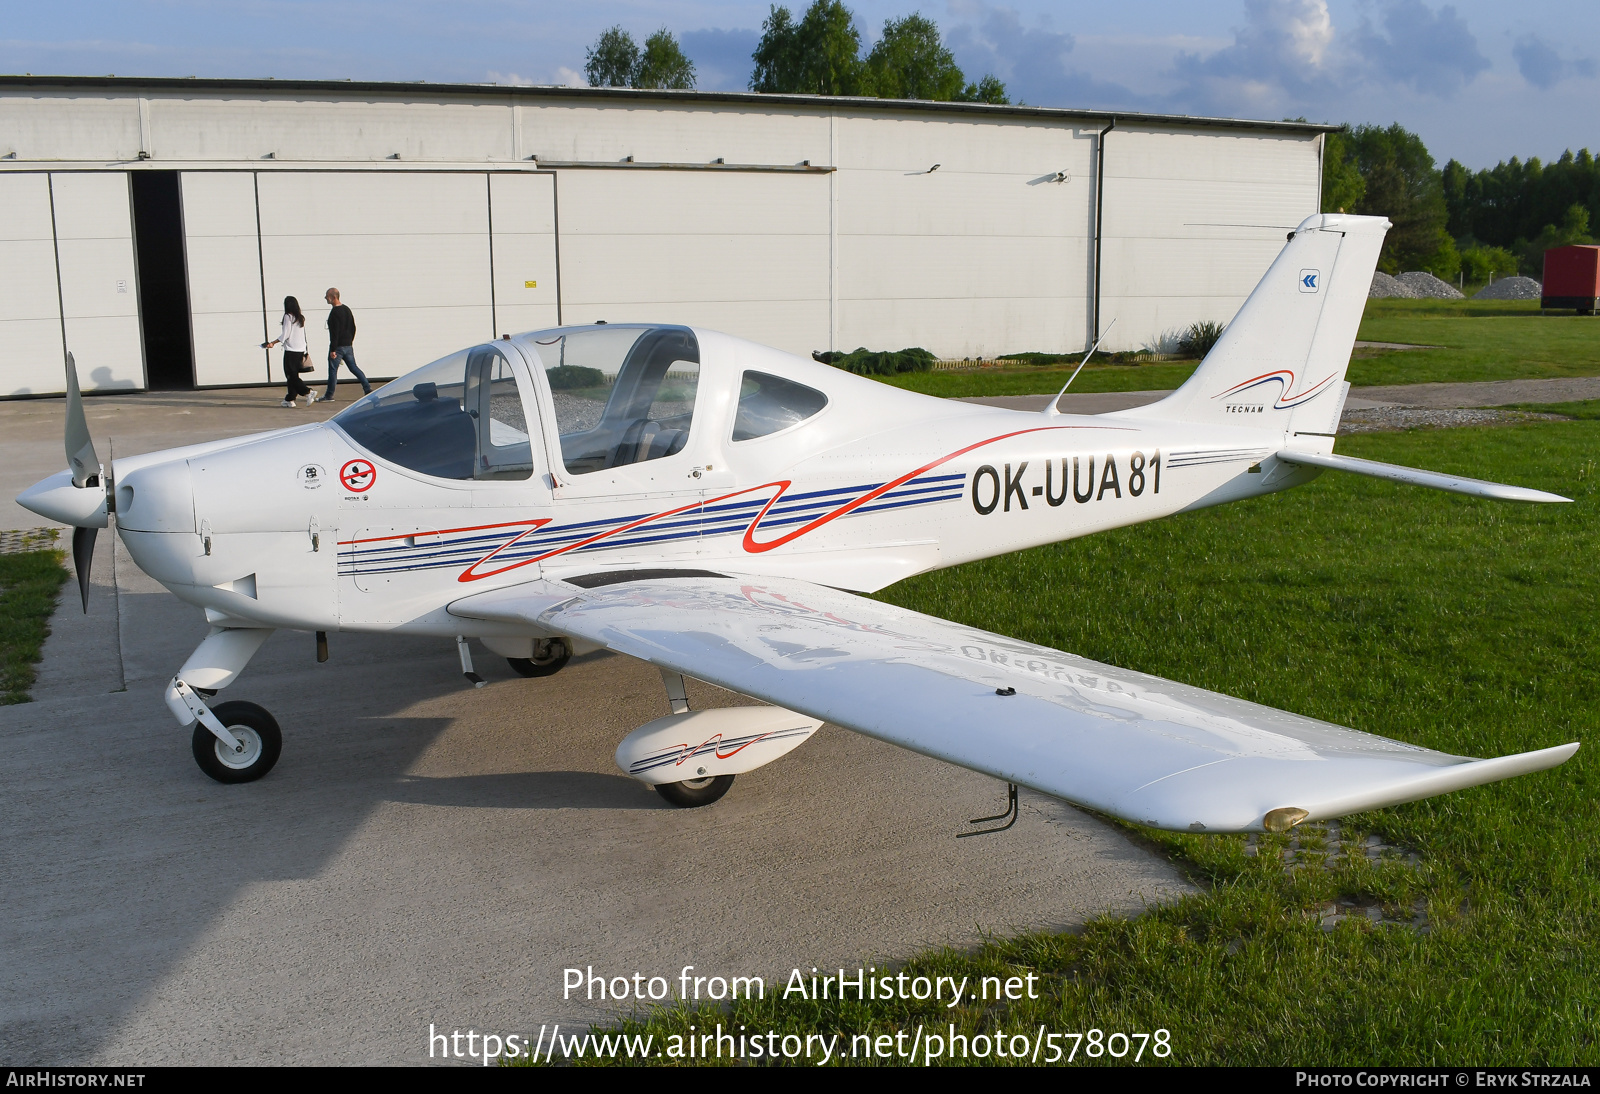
{"x": 309, "y": 528}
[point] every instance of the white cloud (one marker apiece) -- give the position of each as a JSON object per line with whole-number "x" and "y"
{"x": 564, "y": 77}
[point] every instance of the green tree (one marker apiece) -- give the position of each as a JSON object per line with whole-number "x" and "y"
{"x": 987, "y": 90}
{"x": 1513, "y": 202}
{"x": 819, "y": 55}
{"x": 611, "y": 61}
{"x": 1574, "y": 228}
{"x": 1342, "y": 184}
{"x": 910, "y": 61}
{"x": 615, "y": 60}
{"x": 663, "y": 64}
{"x": 1478, "y": 264}
{"x": 1402, "y": 183}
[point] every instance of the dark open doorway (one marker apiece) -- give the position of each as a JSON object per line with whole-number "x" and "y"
{"x": 163, "y": 280}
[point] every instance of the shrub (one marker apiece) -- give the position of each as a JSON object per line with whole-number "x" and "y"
{"x": 1199, "y": 338}
{"x": 1477, "y": 263}
{"x": 574, "y": 378}
{"x": 865, "y": 362}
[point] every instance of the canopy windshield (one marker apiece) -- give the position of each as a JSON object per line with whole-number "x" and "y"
{"x": 458, "y": 418}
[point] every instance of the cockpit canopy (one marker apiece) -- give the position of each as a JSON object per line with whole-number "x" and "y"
{"x": 622, "y": 394}
{"x": 458, "y": 418}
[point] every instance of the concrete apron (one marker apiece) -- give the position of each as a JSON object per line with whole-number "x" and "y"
{"x": 425, "y": 853}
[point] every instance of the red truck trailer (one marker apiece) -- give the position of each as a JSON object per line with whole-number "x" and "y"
{"x": 1571, "y": 279}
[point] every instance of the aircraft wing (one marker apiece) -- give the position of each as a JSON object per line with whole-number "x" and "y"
{"x": 1132, "y": 745}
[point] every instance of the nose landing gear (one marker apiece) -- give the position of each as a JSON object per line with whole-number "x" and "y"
{"x": 259, "y": 742}
{"x": 235, "y": 742}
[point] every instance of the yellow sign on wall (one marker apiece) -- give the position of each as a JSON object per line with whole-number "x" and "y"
{"x": 530, "y": 284}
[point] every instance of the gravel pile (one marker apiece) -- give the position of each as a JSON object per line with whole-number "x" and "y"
{"x": 1385, "y": 287}
{"x": 1510, "y": 288}
{"x": 1425, "y": 285}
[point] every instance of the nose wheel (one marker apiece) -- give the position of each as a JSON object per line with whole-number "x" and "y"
{"x": 260, "y": 742}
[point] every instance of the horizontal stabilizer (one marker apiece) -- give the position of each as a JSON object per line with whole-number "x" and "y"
{"x": 1456, "y": 484}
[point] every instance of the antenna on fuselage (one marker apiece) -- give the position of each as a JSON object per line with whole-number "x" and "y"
{"x": 1051, "y": 411}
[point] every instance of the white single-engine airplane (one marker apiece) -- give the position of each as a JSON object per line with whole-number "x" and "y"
{"x": 704, "y": 503}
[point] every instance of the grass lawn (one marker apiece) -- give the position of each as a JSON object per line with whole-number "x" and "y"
{"x": 1485, "y": 340}
{"x": 1458, "y": 624}
{"x": 29, "y": 585}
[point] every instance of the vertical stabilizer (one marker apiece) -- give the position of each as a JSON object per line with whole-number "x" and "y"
{"x": 1280, "y": 364}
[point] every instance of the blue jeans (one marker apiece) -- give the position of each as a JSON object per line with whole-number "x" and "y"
{"x": 348, "y": 356}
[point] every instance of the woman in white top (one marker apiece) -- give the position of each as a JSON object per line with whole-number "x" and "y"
{"x": 293, "y": 338}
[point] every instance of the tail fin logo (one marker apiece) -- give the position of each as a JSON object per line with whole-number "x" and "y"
{"x": 1287, "y": 396}
{"x": 1309, "y": 280}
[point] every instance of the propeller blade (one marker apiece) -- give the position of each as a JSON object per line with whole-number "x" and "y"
{"x": 82, "y": 460}
{"x": 83, "y": 559}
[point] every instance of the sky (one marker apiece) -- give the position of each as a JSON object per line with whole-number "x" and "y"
{"x": 1481, "y": 81}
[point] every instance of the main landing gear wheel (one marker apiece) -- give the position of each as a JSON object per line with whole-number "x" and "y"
{"x": 693, "y": 793}
{"x": 549, "y": 657}
{"x": 259, "y": 738}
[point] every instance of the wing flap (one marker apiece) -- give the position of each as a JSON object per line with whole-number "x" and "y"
{"x": 1126, "y": 743}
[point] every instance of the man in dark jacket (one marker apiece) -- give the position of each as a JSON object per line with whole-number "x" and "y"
{"x": 341, "y": 340}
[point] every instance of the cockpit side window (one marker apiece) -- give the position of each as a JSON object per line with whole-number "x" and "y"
{"x": 770, "y": 403}
{"x": 623, "y": 395}
{"x": 458, "y": 418}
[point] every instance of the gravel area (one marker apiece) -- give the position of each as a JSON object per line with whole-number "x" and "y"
{"x": 1385, "y": 287}
{"x": 1510, "y": 288}
{"x": 1425, "y": 285}
{"x": 1393, "y": 419}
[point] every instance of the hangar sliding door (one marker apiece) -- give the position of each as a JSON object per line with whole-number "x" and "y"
{"x": 1192, "y": 221}
{"x": 90, "y": 259}
{"x": 99, "y": 295}
{"x": 987, "y": 251}
{"x": 30, "y": 312}
{"x": 744, "y": 252}
{"x": 409, "y": 252}
{"x": 227, "y": 314}
{"x": 522, "y": 209}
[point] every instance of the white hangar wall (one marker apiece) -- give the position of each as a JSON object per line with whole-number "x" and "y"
{"x": 449, "y": 215}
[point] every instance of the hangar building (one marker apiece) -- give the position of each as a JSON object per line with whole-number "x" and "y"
{"x": 153, "y": 226}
